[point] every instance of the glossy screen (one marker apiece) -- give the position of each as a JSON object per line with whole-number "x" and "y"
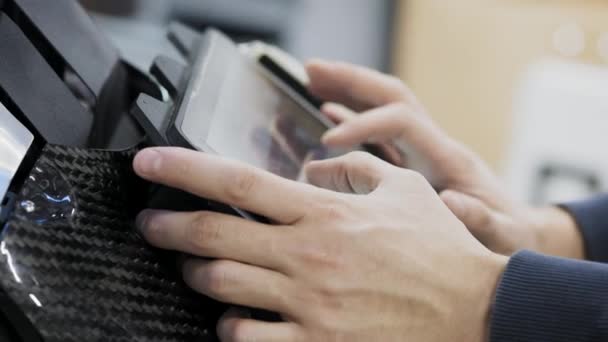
{"x": 259, "y": 122}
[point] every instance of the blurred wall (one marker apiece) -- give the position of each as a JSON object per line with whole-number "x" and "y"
{"x": 465, "y": 58}
{"x": 558, "y": 148}
{"x": 357, "y": 31}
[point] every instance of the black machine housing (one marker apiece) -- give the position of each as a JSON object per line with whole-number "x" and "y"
{"x": 71, "y": 266}
{"x": 197, "y": 89}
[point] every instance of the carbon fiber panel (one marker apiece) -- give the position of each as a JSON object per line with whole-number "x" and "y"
{"x": 69, "y": 257}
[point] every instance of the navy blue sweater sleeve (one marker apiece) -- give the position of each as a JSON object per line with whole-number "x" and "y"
{"x": 548, "y": 299}
{"x": 592, "y": 219}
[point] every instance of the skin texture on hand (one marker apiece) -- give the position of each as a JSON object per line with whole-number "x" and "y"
{"x": 367, "y": 252}
{"x": 559, "y": 234}
{"x": 550, "y": 230}
{"x": 370, "y": 107}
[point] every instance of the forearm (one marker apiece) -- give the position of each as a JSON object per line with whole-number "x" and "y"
{"x": 592, "y": 220}
{"x": 558, "y": 234}
{"x": 576, "y": 230}
{"x": 551, "y": 299}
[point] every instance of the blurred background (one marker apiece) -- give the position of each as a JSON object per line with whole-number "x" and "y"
{"x": 524, "y": 83}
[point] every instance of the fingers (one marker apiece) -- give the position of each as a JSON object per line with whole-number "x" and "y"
{"x": 236, "y": 326}
{"x": 225, "y": 181}
{"x": 356, "y": 173}
{"x": 478, "y": 218}
{"x": 214, "y": 235}
{"x": 356, "y": 87}
{"x": 240, "y": 284}
{"x": 338, "y": 113}
{"x": 383, "y": 124}
{"x": 380, "y": 124}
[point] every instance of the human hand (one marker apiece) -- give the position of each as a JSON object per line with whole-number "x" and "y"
{"x": 372, "y": 253}
{"x": 371, "y": 107}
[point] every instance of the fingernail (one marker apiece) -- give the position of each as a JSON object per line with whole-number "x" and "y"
{"x": 148, "y": 161}
{"x": 141, "y": 222}
{"x": 317, "y": 61}
{"x": 331, "y": 107}
{"x": 331, "y": 134}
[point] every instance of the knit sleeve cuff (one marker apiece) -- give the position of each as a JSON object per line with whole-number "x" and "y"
{"x": 592, "y": 219}
{"x": 550, "y": 299}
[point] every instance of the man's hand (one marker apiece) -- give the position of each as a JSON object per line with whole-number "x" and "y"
{"x": 371, "y": 107}
{"x": 369, "y": 254}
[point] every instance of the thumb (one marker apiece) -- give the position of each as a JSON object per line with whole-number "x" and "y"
{"x": 476, "y": 215}
{"x": 354, "y": 173}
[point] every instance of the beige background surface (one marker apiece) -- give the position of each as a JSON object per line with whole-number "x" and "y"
{"x": 464, "y": 58}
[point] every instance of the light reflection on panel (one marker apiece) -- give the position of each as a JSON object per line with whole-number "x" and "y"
{"x": 15, "y": 141}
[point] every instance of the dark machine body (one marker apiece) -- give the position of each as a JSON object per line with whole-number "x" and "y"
{"x": 72, "y": 267}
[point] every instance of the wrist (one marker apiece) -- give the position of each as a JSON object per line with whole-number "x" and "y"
{"x": 498, "y": 266}
{"x": 491, "y": 274}
{"x": 557, "y": 233}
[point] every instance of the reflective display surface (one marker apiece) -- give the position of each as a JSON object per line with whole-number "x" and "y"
{"x": 257, "y": 122}
{"x": 15, "y": 140}
{"x": 237, "y": 109}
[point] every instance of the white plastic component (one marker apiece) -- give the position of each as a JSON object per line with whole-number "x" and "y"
{"x": 561, "y": 119}
{"x": 256, "y": 49}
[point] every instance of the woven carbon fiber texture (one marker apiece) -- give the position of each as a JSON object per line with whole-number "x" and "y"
{"x": 69, "y": 257}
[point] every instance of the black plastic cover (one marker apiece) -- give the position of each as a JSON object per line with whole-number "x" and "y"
{"x": 73, "y": 35}
{"x": 36, "y": 91}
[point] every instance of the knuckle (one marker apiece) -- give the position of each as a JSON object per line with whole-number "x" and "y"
{"x": 315, "y": 256}
{"x": 405, "y": 117}
{"x": 396, "y": 83}
{"x": 364, "y": 162}
{"x": 398, "y": 87}
{"x": 335, "y": 209}
{"x": 415, "y": 176}
{"x": 402, "y": 112}
{"x": 217, "y": 278}
{"x": 358, "y": 157}
{"x": 415, "y": 181}
{"x": 490, "y": 237}
{"x": 391, "y": 82}
{"x": 204, "y": 230}
{"x": 182, "y": 167}
{"x": 241, "y": 185}
{"x": 468, "y": 160}
{"x": 325, "y": 304}
{"x": 320, "y": 257}
{"x": 483, "y": 220}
